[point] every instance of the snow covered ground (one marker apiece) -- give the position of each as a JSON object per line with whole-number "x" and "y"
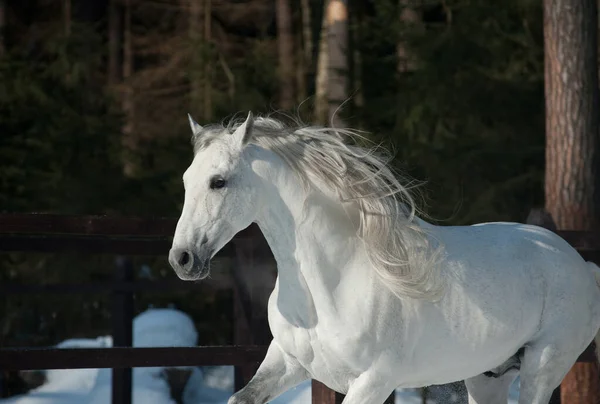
{"x": 207, "y": 385}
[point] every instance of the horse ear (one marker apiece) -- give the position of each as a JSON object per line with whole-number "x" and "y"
{"x": 243, "y": 133}
{"x": 196, "y": 128}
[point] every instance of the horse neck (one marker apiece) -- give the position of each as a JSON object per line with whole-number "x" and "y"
{"x": 313, "y": 240}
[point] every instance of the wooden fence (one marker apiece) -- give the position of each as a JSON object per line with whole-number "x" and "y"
{"x": 48, "y": 233}
{"x": 128, "y": 237}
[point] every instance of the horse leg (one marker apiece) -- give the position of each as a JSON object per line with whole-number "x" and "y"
{"x": 543, "y": 368}
{"x": 484, "y": 389}
{"x": 277, "y": 373}
{"x": 370, "y": 388}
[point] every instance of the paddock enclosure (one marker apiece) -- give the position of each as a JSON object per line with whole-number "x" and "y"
{"x": 124, "y": 237}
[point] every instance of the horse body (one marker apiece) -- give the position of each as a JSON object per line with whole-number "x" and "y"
{"x": 507, "y": 288}
{"x": 339, "y": 321}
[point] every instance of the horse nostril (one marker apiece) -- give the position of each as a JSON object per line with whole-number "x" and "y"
{"x": 184, "y": 258}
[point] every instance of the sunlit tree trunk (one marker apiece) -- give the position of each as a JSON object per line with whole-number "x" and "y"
{"x": 337, "y": 44}
{"x": 115, "y": 38}
{"x": 285, "y": 49}
{"x": 305, "y": 52}
{"x": 321, "y": 89}
{"x": 355, "y": 66}
{"x": 571, "y": 81}
{"x": 332, "y": 69}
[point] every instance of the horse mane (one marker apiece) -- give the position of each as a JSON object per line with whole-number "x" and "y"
{"x": 398, "y": 247}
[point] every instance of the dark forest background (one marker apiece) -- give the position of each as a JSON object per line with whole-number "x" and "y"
{"x": 94, "y": 97}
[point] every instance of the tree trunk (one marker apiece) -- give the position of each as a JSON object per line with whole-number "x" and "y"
{"x": 67, "y": 16}
{"x": 2, "y": 27}
{"x": 207, "y": 93}
{"x": 285, "y": 49}
{"x": 571, "y": 85}
{"x": 337, "y": 44}
{"x": 66, "y": 9}
{"x": 129, "y": 142}
{"x": 115, "y": 38}
{"x": 332, "y": 68}
{"x": 355, "y": 22}
{"x": 301, "y": 73}
{"x": 410, "y": 19}
{"x": 321, "y": 104}
{"x": 571, "y": 113}
{"x": 305, "y": 68}
{"x": 196, "y": 74}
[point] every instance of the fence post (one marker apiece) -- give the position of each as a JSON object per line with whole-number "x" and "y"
{"x": 322, "y": 394}
{"x": 122, "y": 319}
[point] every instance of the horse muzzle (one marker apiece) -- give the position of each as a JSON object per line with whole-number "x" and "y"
{"x": 188, "y": 265}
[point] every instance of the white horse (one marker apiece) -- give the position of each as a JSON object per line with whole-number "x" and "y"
{"x": 369, "y": 297}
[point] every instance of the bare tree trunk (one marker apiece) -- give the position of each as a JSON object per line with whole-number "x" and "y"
{"x": 301, "y": 72}
{"x": 305, "y": 52}
{"x": 410, "y": 19}
{"x": 194, "y": 34}
{"x": 337, "y": 44}
{"x": 207, "y": 93}
{"x": 129, "y": 142}
{"x": 2, "y": 27}
{"x": 332, "y": 69}
{"x": 572, "y": 112}
{"x": 67, "y": 13}
{"x": 571, "y": 81}
{"x": 355, "y": 23}
{"x": 115, "y": 15}
{"x": 321, "y": 101}
{"x": 127, "y": 42}
{"x": 307, "y": 31}
{"x": 285, "y": 48}
{"x": 67, "y": 16}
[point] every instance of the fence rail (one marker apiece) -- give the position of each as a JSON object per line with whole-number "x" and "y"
{"x": 123, "y": 357}
{"x": 50, "y": 233}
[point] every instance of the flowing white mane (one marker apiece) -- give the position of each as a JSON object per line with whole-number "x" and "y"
{"x": 399, "y": 249}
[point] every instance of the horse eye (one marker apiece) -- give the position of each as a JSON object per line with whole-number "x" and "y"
{"x": 217, "y": 183}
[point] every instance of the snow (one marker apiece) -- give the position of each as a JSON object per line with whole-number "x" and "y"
{"x": 206, "y": 385}
{"x": 164, "y": 327}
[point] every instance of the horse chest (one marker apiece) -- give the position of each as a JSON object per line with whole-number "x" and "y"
{"x": 334, "y": 354}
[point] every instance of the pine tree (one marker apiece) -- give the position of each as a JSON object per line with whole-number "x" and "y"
{"x": 572, "y": 145}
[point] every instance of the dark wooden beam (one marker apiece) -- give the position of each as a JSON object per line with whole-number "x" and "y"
{"x": 322, "y": 394}
{"x": 42, "y": 223}
{"x": 217, "y": 280}
{"x": 92, "y": 358}
{"x": 122, "y": 319}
